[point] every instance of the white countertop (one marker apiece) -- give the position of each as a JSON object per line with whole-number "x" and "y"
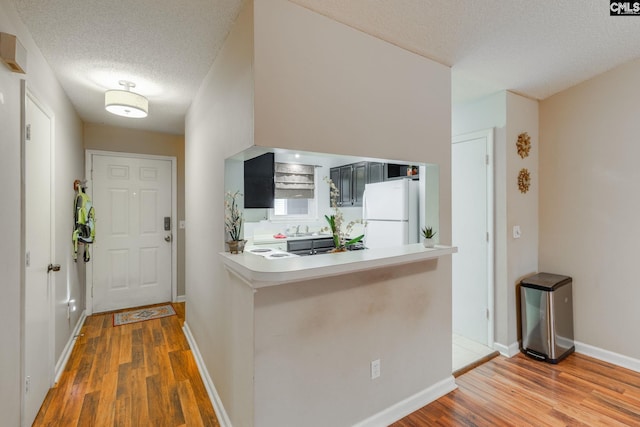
{"x": 259, "y": 272}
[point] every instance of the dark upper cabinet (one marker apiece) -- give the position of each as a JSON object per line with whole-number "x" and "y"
{"x": 351, "y": 179}
{"x": 258, "y": 181}
{"x": 359, "y": 180}
{"x": 375, "y": 172}
{"x": 345, "y": 185}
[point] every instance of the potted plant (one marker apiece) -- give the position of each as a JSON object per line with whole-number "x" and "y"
{"x": 428, "y": 234}
{"x": 341, "y": 239}
{"x": 233, "y": 223}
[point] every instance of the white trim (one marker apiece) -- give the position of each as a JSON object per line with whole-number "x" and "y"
{"x": 507, "y": 351}
{"x": 180, "y": 298}
{"x": 608, "y": 356}
{"x": 66, "y": 352}
{"x": 411, "y": 404}
{"x": 218, "y": 407}
{"x": 88, "y": 167}
{"x": 487, "y": 134}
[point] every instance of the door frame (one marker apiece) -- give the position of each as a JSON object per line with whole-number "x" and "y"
{"x": 27, "y": 93}
{"x": 488, "y": 134}
{"x": 88, "y": 162}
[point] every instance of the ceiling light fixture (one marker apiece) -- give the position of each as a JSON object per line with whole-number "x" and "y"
{"x": 126, "y": 103}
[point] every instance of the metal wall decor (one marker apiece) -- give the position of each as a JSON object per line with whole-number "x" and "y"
{"x": 524, "y": 180}
{"x": 523, "y": 144}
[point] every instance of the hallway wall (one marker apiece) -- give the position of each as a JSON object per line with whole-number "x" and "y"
{"x": 69, "y": 282}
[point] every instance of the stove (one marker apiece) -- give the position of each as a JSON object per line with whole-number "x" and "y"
{"x": 270, "y": 253}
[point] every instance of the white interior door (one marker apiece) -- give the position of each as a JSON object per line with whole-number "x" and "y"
{"x": 132, "y": 254}
{"x": 38, "y": 357}
{"x": 472, "y": 195}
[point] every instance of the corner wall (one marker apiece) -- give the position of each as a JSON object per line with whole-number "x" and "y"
{"x": 219, "y": 124}
{"x": 589, "y": 204}
{"x": 388, "y": 103}
{"x": 68, "y": 157}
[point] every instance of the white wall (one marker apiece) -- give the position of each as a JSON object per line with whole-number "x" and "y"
{"x": 509, "y": 114}
{"x": 69, "y": 282}
{"x": 589, "y": 206}
{"x": 219, "y": 124}
{"x": 324, "y": 87}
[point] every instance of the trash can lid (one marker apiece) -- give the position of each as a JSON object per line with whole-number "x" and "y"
{"x": 545, "y": 281}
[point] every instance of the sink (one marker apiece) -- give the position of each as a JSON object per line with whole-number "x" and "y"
{"x": 308, "y": 234}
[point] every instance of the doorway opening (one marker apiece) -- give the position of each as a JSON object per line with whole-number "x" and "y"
{"x": 472, "y": 194}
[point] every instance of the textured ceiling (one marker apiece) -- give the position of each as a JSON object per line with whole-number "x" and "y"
{"x": 164, "y": 46}
{"x": 535, "y": 48}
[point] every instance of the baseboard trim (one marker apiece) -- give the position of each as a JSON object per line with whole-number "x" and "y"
{"x": 223, "y": 418}
{"x": 68, "y": 348}
{"x": 181, "y": 298}
{"x": 608, "y": 356}
{"x": 507, "y": 351}
{"x": 411, "y": 404}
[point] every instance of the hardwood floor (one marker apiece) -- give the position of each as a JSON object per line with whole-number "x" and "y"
{"x": 579, "y": 391}
{"x": 140, "y": 374}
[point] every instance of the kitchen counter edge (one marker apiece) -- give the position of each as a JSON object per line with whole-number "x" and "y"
{"x": 258, "y": 272}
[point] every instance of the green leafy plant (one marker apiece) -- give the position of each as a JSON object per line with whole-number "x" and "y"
{"x": 233, "y": 217}
{"x": 340, "y": 236}
{"x": 428, "y": 233}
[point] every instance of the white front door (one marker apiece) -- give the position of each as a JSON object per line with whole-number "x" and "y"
{"x": 38, "y": 357}
{"x": 472, "y": 219}
{"x": 131, "y": 256}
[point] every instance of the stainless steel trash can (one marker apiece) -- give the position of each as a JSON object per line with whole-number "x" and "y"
{"x": 546, "y": 304}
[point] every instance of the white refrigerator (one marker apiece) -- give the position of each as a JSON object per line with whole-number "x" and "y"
{"x": 391, "y": 213}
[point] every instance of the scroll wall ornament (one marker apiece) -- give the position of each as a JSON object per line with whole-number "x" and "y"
{"x": 524, "y": 180}
{"x": 523, "y": 144}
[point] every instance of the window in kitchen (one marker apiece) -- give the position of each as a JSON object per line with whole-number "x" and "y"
{"x": 295, "y": 195}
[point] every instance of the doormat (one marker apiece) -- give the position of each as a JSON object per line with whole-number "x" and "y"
{"x": 143, "y": 314}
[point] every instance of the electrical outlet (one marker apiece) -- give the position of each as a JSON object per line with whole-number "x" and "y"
{"x": 375, "y": 369}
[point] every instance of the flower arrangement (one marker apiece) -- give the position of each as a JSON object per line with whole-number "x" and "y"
{"x": 233, "y": 217}
{"x": 340, "y": 236}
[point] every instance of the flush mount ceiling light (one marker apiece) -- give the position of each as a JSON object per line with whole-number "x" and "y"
{"x": 126, "y": 103}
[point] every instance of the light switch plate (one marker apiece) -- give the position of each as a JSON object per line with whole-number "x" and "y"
{"x": 516, "y": 232}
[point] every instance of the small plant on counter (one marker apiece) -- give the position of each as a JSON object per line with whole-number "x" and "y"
{"x": 340, "y": 237}
{"x": 233, "y": 222}
{"x": 428, "y": 233}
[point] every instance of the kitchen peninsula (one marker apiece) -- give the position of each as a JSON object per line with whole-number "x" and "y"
{"x": 311, "y": 326}
{"x": 259, "y": 272}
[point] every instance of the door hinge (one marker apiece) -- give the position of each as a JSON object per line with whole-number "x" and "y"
{"x": 27, "y": 384}
{"x": 488, "y": 314}
{"x": 487, "y": 236}
{"x": 27, "y": 260}
{"x": 487, "y": 159}
{"x": 28, "y": 133}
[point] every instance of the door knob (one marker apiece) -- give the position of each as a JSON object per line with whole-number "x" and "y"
{"x": 53, "y": 267}
{"x": 167, "y": 238}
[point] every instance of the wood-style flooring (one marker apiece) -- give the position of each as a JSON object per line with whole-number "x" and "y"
{"x": 579, "y": 391}
{"x": 140, "y": 374}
